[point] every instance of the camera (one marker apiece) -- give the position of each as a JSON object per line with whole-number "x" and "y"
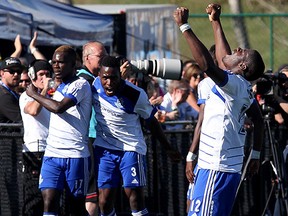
{"x": 267, "y": 83}
{"x": 163, "y": 68}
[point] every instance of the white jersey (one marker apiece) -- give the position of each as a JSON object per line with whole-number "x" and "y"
{"x": 204, "y": 89}
{"x": 222, "y": 134}
{"x": 118, "y": 117}
{"x": 35, "y": 127}
{"x": 68, "y": 131}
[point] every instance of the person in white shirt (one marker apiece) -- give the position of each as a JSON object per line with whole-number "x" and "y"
{"x": 35, "y": 123}
{"x": 67, "y": 159}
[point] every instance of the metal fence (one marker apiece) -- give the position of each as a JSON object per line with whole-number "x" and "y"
{"x": 165, "y": 193}
{"x": 167, "y": 185}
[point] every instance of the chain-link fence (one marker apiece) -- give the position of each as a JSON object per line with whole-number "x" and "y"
{"x": 166, "y": 182}
{"x": 266, "y": 33}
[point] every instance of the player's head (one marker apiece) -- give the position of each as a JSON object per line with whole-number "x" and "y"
{"x": 110, "y": 75}
{"x": 247, "y": 62}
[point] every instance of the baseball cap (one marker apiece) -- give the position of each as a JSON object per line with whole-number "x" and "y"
{"x": 11, "y": 62}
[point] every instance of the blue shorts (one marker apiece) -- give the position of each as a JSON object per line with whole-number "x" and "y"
{"x": 55, "y": 172}
{"x": 111, "y": 165}
{"x": 214, "y": 193}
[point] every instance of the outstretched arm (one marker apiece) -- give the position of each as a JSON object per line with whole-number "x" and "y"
{"x": 18, "y": 47}
{"x": 199, "y": 52}
{"x": 32, "y": 46}
{"x": 222, "y": 48}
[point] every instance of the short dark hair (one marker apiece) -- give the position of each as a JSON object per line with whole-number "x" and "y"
{"x": 255, "y": 65}
{"x": 110, "y": 61}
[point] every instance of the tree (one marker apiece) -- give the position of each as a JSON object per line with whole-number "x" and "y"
{"x": 239, "y": 25}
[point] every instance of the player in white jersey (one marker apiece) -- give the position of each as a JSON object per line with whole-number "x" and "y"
{"x": 222, "y": 133}
{"x": 204, "y": 89}
{"x": 66, "y": 158}
{"x": 120, "y": 146}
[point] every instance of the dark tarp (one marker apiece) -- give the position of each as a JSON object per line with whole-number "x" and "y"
{"x": 56, "y": 23}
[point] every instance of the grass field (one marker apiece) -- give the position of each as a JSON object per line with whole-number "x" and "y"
{"x": 273, "y": 51}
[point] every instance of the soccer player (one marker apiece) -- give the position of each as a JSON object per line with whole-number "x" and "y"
{"x": 221, "y": 148}
{"x": 120, "y": 146}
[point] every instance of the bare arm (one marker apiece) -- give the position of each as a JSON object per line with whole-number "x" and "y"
{"x": 48, "y": 103}
{"x": 18, "y": 47}
{"x": 198, "y": 50}
{"x": 192, "y": 101}
{"x": 33, "y": 107}
{"x": 222, "y": 48}
{"x": 195, "y": 145}
{"x": 32, "y": 46}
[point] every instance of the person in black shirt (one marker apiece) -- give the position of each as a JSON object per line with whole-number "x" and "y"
{"x": 10, "y": 70}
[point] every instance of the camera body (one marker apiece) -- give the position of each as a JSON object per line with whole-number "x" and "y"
{"x": 163, "y": 68}
{"x": 267, "y": 83}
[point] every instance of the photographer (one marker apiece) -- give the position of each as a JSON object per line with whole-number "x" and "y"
{"x": 271, "y": 92}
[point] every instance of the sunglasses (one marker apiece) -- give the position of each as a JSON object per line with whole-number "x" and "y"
{"x": 26, "y": 81}
{"x": 13, "y": 71}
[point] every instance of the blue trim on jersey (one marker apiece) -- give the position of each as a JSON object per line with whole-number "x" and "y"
{"x": 216, "y": 92}
{"x": 201, "y": 101}
{"x": 61, "y": 88}
{"x": 72, "y": 97}
{"x": 124, "y": 98}
{"x": 226, "y": 78}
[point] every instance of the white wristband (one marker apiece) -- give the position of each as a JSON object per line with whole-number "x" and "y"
{"x": 191, "y": 157}
{"x": 255, "y": 154}
{"x": 33, "y": 50}
{"x": 184, "y": 27}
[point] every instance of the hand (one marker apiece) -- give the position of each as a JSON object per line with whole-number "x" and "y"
{"x": 33, "y": 42}
{"x": 156, "y": 100}
{"x": 177, "y": 97}
{"x": 214, "y": 11}
{"x": 172, "y": 115}
{"x": 181, "y": 15}
{"x": 46, "y": 83}
{"x": 174, "y": 155}
{"x": 125, "y": 69}
{"x": 31, "y": 90}
{"x": 189, "y": 171}
{"x": 17, "y": 43}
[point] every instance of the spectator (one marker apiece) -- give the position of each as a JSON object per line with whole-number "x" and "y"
{"x": 119, "y": 146}
{"x": 24, "y": 82}
{"x": 10, "y": 70}
{"x": 92, "y": 53}
{"x": 175, "y": 105}
{"x": 36, "y": 123}
{"x": 66, "y": 158}
{"x": 193, "y": 75}
{"x": 221, "y": 151}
